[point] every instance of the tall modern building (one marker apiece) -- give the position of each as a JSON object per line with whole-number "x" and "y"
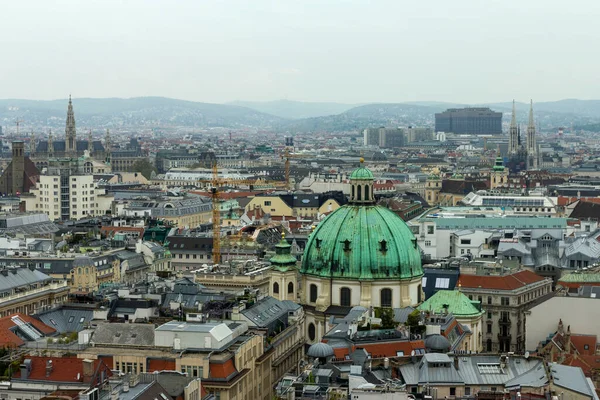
{"x": 472, "y": 120}
{"x": 384, "y": 137}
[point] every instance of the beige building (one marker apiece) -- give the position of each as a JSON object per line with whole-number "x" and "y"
{"x": 505, "y": 299}
{"x": 88, "y": 274}
{"x": 305, "y": 205}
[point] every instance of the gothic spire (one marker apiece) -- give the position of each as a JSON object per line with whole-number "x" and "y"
{"x": 107, "y": 146}
{"x": 32, "y": 144}
{"x": 90, "y": 143}
{"x": 513, "y": 121}
{"x": 50, "y": 144}
{"x": 531, "y": 123}
{"x": 70, "y": 132}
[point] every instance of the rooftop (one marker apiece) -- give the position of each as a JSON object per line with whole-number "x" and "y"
{"x": 507, "y": 282}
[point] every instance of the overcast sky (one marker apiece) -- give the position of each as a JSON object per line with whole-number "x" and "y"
{"x": 465, "y": 51}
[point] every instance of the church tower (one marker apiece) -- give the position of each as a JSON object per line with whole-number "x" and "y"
{"x": 50, "y": 145}
{"x": 70, "y": 134}
{"x": 532, "y": 157}
{"x": 513, "y": 133}
{"x": 433, "y": 187}
{"x": 499, "y": 174}
{"x": 32, "y": 145}
{"x": 284, "y": 278}
{"x": 90, "y": 143}
{"x": 107, "y": 147}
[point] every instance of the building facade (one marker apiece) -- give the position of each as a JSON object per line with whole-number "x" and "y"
{"x": 474, "y": 121}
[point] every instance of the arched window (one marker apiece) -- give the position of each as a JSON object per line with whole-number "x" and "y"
{"x": 312, "y": 331}
{"x": 290, "y": 288}
{"x": 386, "y": 297}
{"x": 313, "y": 293}
{"x": 345, "y": 294}
{"x": 352, "y": 191}
{"x": 420, "y": 294}
{"x": 276, "y": 287}
{"x": 367, "y": 192}
{"x": 359, "y": 195}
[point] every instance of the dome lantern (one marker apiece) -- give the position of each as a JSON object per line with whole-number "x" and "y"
{"x": 361, "y": 183}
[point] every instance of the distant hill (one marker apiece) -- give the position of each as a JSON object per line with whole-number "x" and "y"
{"x": 295, "y": 109}
{"x": 140, "y": 111}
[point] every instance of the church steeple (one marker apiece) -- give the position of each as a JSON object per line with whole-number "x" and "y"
{"x": 50, "y": 144}
{"x": 107, "y": 147}
{"x": 90, "y": 143}
{"x": 32, "y": 145}
{"x": 532, "y": 159}
{"x": 70, "y": 132}
{"x": 283, "y": 259}
{"x": 513, "y": 133}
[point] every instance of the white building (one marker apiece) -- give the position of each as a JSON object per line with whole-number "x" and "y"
{"x": 71, "y": 197}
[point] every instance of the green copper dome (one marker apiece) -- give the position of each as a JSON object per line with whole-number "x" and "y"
{"x": 362, "y": 242}
{"x": 362, "y": 173}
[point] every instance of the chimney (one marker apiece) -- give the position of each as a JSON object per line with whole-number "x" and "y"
{"x": 25, "y": 369}
{"x": 49, "y": 368}
{"x": 568, "y": 340}
{"x": 88, "y": 370}
{"x": 456, "y": 362}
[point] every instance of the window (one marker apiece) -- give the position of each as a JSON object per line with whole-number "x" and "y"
{"x": 430, "y": 229}
{"x": 290, "y": 288}
{"x": 452, "y": 391}
{"x": 313, "y": 293}
{"x": 383, "y": 246}
{"x": 489, "y": 299}
{"x": 267, "y": 203}
{"x": 428, "y": 243}
{"x": 312, "y": 331}
{"x": 489, "y": 328}
{"x": 489, "y": 315}
{"x": 71, "y": 319}
{"x": 276, "y": 287}
{"x": 347, "y": 245}
{"x": 386, "y": 297}
{"x": 504, "y": 301}
{"x": 442, "y": 283}
{"x": 345, "y": 297}
{"x": 465, "y": 241}
{"x": 467, "y": 391}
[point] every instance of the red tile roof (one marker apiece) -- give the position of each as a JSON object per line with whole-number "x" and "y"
{"x": 64, "y": 369}
{"x": 9, "y": 339}
{"x": 117, "y": 229}
{"x": 223, "y": 370}
{"x": 506, "y": 282}
{"x": 580, "y": 342}
{"x": 378, "y": 350}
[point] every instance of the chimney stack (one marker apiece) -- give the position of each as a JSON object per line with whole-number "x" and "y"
{"x": 88, "y": 370}
{"x": 49, "y": 368}
{"x": 25, "y": 369}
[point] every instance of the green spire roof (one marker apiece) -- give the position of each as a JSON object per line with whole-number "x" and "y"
{"x": 362, "y": 242}
{"x": 499, "y": 164}
{"x": 283, "y": 259}
{"x": 362, "y": 173}
{"x": 458, "y": 304}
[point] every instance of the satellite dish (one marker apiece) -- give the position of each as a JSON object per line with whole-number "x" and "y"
{"x": 526, "y": 355}
{"x": 412, "y": 353}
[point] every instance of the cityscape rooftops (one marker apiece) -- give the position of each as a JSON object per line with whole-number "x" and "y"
{"x": 506, "y": 282}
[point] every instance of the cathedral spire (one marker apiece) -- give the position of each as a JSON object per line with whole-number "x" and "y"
{"x": 70, "y": 132}
{"x": 513, "y": 133}
{"x": 531, "y": 145}
{"x": 513, "y": 121}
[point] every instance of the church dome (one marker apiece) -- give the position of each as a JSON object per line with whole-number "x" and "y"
{"x": 361, "y": 240}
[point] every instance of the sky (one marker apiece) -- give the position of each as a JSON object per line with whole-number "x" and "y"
{"x": 465, "y": 51}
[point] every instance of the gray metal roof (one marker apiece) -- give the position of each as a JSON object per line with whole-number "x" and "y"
{"x": 124, "y": 334}
{"x": 268, "y": 310}
{"x": 12, "y": 278}
{"x": 66, "y": 319}
{"x": 571, "y": 378}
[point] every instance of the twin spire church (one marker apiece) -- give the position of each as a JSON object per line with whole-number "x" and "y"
{"x": 520, "y": 154}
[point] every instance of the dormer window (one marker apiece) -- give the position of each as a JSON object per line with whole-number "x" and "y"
{"x": 346, "y": 245}
{"x": 383, "y": 246}
{"x": 318, "y": 243}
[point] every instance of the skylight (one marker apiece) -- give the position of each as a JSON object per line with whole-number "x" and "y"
{"x": 489, "y": 368}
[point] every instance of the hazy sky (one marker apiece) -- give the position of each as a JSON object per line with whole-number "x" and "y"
{"x": 312, "y": 50}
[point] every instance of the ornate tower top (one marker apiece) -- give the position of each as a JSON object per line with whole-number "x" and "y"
{"x": 531, "y": 122}
{"x": 513, "y": 121}
{"x": 50, "y": 144}
{"x": 70, "y": 132}
{"x": 90, "y": 142}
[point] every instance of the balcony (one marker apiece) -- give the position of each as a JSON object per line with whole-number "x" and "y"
{"x": 504, "y": 321}
{"x": 504, "y": 337}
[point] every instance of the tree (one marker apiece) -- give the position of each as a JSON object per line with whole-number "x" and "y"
{"x": 413, "y": 322}
{"x": 145, "y": 167}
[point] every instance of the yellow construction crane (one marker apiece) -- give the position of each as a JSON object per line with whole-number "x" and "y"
{"x": 287, "y": 155}
{"x": 216, "y": 183}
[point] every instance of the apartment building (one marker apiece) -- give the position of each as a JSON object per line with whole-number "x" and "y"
{"x": 505, "y": 299}
{"x": 27, "y": 291}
